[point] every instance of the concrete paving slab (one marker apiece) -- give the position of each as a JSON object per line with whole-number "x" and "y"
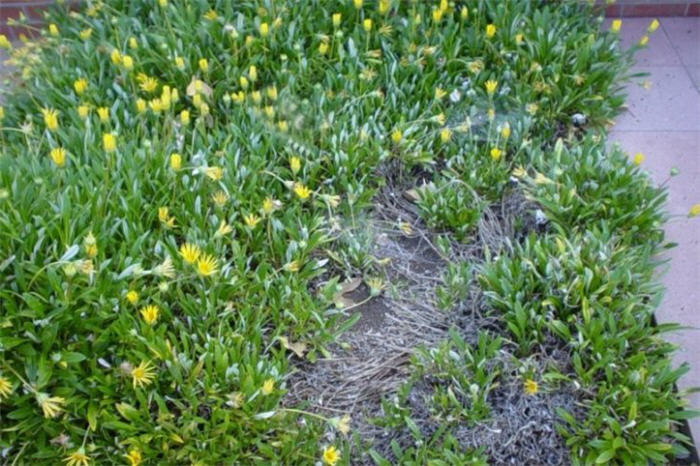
{"x": 684, "y": 35}
{"x": 672, "y": 103}
{"x": 633, "y": 29}
{"x": 694, "y": 72}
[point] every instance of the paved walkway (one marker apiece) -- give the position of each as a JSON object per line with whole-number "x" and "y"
{"x": 663, "y": 123}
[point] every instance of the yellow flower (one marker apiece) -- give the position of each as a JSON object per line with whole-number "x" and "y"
{"x": 271, "y": 92}
{"x": 53, "y": 30}
{"x": 440, "y": 118}
{"x": 150, "y": 314}
{"x": 253, "y": 73}
{"x": 518, "y": 39}
{"x": 5, "y": 387}
{"x": 175, "y": 161}
{"x": 367, "y": 24}
{"x": 189, "y": 253}
{"x": 440, "y": 93}
{"x": 103, "y": 113}
{"x": 445, "y": 135}
{"x": 295, "y": 164}
{"x": 132, "y": 296}
{"x": 220, "y": 197}
{"x": 301, "y": 191}
{"x": 616, "y": 25}
{"x": 505, "y": 130}
{"x": 653, "y": 26}
{"x": 4, "y": 42}
{"x": 109, "y": 142}
{"x": 264, "y": 29}
{"x": 115, "y": 56}
{"x": 83, "y": 111}
{"x": 185, "y": 117}
{"x": 694, "y": 210}
{"x": 268, "y": 386}
{"x": 80, "y": 85}
{"x": 133, "y": 457}
{"x": 256, "y": 96}
{"x": 147, "y": 83}
{"x": 343, "y": 424}
{"x": 475, "y": 66}
{"x": 330, "y": 456}
{"x": 77, "y": 458}
{"x": 383, "y": 6}
{"x": 207, "y": 265}
{"x": 464, "y": 13}
{"x": 214, "y": 173}
{"x": 643, "y": 41}
{"x": 357, "y": 3}
{"x": 50, "y": 118}
{"x": 179, "y": 63}
{"x": 336, "y": 19}
{"x": 292, "y": 266}
{"x": 490, "y": 31}
{"x": 530, "y": 387}
{"x": 2, "y": 112}
{"x": 85, "y": 33}
{"x": 437, "y": 14}
{"x": 163, "y": 3}
{"x": 203, "y": 64}
{"x": 251, "y": 220}
{"x": 58, "y": 156}
{"x": 133, "y": 43}
{"x": 323, "y": 48}
{"x": 396, "y": 136}
{"x": 127, "y": 62}
{"x": 531, "y": 108}
{"x": 638, "y": 158}
{"x": 50, "y": 405}
{"x": 495, "y": 153}
{"x": 143, "y": 374}
{"x": 491, "y": 86}
{"x": 223, "y": 230}
{"x": 211, "y": 15}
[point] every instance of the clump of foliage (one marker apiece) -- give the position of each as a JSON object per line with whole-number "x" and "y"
{"x": 174, "y": 175}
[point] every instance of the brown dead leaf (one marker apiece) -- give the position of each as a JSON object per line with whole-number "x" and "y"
{"x": 348, "y": 286}
{"x": 299, "y": 348}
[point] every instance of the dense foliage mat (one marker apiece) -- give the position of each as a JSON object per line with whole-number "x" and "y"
{"x": 177, "y": 183}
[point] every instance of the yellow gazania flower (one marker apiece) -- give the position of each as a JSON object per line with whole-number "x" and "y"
{"x": 323, "y": 48}
{"x": 383, "y": 6}
{"x": 175, "y": 161}
{"x": 214, "y": 173}
{"x": 220, "y": 197}
{"x": 269, "y": 204}
{"x": 140, "y": 105}
{"x": 292, "y": 266}
{"x": 203, "y": 65}
{"x": 694, "y": 210}
{"x": 271, "y": 92}
{"x": 301, "y": 191}
{"x": 490, "y": 31}
{"x": 367, "y": 24}
{"x": 4, "y": 42}
{"x": 253, "y": 73}
{"x": 532, "y": 108}
{"x": 518, "y": 39}
{"x": 83, "y": 111}
{"x": 475, "y": 66}
{"x": 147, "y": 83}
{"x": 207, "y": 265}
{"x": 282, "y": 126}
{"x": 491, "y": 86}
{"x": 638, "y": 158}
{"x": 143, "y": 374}
{"x": 295, "y": 164}
{"x": 103, "y": 113}
{"x": 357, "y": 3}
{"x": 464, "y": 13}
{"x": 211, "y": 15}
{"x": 50, "y": 405}
{"x": 5, "y": 387}
{"x": 330, "y": 455}
{"x": 85, "y": 33}
{"x": 58, "y": 156}
{"x": 80, "y": 85}
{"x": 133, "y": 43}
{"x": 132, "y": 296}
{"x": 643, "y": 41}
{"x": 109, "y": 142}
{"x": 268, "y": 386}
{"x": 336, "y": 19}
{"x": 165, "y": 218}
{"x": 616, "y": 25}
{"x": 437, "y": 14}
{"x": 223, "y": 229}
{"x": 163, "y": 3}
{"x": 50, "y": 118}
{"x": 495, "y": 153}
{"x": 530, "y": 387}
{"x": 77, "y": 458}
{"x": 179, "y": 63}
{"x": 127, "y": 62}
{"x": 396, "y": 136}
{"x": 440, "y": 93}
{"x": 505, "y": 130}
{"x": 53, "y": 30}
{"x": 264, "y": 29}
{"x": 653, "y": 26}
{"x": 189, "y": 253}
{"x": 115, "y": 56}
{"x": 256, "y": 96}
{"x": 440, "y": 118}
{"x": 185, "y": 117}
{"x": 251, "y": 220}
{"x": 445, "y": 134}
{"x": 134, "y": 457}
{"x": 149, "y": 314}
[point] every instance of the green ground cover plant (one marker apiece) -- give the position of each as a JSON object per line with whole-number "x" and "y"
{"x": 189, "y": 195}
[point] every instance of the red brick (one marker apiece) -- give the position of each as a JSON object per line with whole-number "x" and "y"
{"x": 9, "y": 12}
{"x": 613, "y": 11}
{"x": 655, "y": 9}
{"x": 693, "y": 9}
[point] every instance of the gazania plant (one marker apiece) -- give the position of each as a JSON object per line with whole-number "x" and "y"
{"x": 193, "y": 194}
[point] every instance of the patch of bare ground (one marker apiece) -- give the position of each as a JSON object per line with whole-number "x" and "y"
{"x": 370, "y": 361}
